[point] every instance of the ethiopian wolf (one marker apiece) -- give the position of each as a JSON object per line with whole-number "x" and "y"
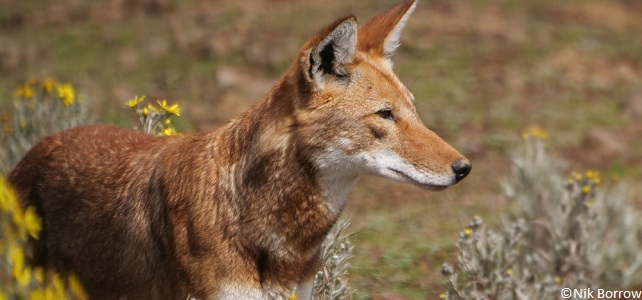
{"x": 239, "y": 212}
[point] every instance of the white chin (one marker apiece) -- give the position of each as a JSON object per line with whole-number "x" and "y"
{"x": 426, "y": 181}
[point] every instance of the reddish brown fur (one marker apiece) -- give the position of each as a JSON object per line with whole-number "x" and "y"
{"x": 166, "y": 218}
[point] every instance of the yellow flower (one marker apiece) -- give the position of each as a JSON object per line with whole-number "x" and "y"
{"x": 168, "y": 131}
{"x": 32, "y": 222}
{"x": 558, "y": 279}
{"x": 18, "y": 217}
{"x": 442, "y": 295}
{"x": 134, "y": 102}
{"x": 39, "y": 274}
{"x": 509, "y": 271}
{"x": 48, "y": 84}
{"x": 66, "y": 93}
{"x": 8, "y": 200}
{"x": 145, "y": 111}
{"x": 37, "y": 294}
{"x": 168, "y": 121}
{"x": 153, "y": 108}
{"x": 21, "y": 274}
{"x": 24, "y": 91}
{"x": 76, "y": 288}
{"x": 597, "y": 180}
{"x": 173, "y": 109}
{"x": 586, "y": 189}
{"x": 468, "y": 231}
{"x": 536, "y": 132}
{"x": 57, "y": 287}
{"x": 293, "y": 296}
{"x": 24, "y": 277}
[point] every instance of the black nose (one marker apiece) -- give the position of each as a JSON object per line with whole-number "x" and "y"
{"x": 461, "y": 169}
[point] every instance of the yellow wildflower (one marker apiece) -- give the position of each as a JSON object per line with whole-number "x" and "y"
{"x": 153, "y": 108}
{"x": 586, "y": 189}
{"x": 57, "y": 287}
{"x": 24, "y": 277}
{"x": 32, "y": 222}
{"x": 48, "y": 84}
{"x": 597, "y": 180}
{"x": 66, "y": 93}
{"x": 468, "y": 231}
{"x": 76, "y": 288}
{"x": 145, "y": 111}
{"x": 536, "y": 132}
{"x": 168, "y": 121}
{"x": 558, "y": 279}
{"x": 20, "y": 274}
{"x": 37, "y": 294}
{"x": 509, "y": 271}
{"x": 168, "y": 131}
{"x": 173, "y": 109}
{"x": 135, "y": 101}
{"x": 24, "y": 91}
{"x": 18, "y": 217}
{"x": 293, "y": 296}
{"x": 39, "y": 274}
{"x": 442, "y": 295}
{"x": 8, "y": 200}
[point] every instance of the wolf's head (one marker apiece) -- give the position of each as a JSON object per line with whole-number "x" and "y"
{"x": 358, "y": 117}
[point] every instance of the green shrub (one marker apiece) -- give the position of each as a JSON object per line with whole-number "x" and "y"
{"x": 41, "y": 107}
{"x": 571, "y": 233}
{"x": 331, "y": 281}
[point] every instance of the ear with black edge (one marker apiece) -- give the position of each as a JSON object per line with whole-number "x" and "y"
{"x": 381, "y": 35}
{"x": 335, "y": 49}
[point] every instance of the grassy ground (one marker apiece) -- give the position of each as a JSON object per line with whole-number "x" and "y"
{"x": 481, "y": 71}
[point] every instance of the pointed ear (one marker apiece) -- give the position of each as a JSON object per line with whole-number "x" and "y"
{"x": 380, "y": 36}
{"x": 332, "y": 49}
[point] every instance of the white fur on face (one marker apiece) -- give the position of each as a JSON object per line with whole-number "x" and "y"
{"x": 336, "y": 176}
{"x": 339, "y": 171}
{"x": 390, "y": 165}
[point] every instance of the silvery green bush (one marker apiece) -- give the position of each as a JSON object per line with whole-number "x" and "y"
{"x": 41, "y": 107}
{"x": 574, "y": 233}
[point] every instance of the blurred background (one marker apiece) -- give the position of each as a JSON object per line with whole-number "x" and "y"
{"x": 481, "y": 71}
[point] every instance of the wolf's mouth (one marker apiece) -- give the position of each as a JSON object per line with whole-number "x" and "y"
{"x": 419, "y": 183}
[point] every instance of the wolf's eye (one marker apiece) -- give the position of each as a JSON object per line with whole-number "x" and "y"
{"x": 386, "y": 113}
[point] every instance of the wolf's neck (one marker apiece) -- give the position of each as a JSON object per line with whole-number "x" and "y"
{"x": 270, "y": 160}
